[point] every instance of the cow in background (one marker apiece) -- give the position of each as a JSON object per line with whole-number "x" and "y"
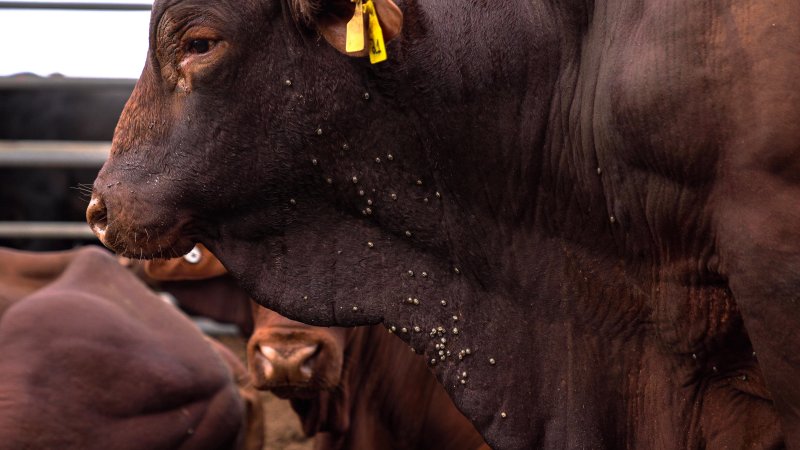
{"x": 90, "y": 358}
{"x": 200, "y": 286}
{"x": 353, "y": 388}
{"x": 58, "y": 108}
{"x": 356, "y": 388}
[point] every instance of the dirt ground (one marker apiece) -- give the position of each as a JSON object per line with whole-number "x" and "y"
{"x": 283, "y": 430}
{"x": 282, "y": 427}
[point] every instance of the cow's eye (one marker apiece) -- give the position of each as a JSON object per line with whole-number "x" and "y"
{"x": 200, "y": 46}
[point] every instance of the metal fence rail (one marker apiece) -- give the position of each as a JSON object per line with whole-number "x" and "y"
{"x": 46, "y": 230}
{"x": 31, "y": 82}
{"x": 67, "y": 154}
{"x": 50, "y": 154}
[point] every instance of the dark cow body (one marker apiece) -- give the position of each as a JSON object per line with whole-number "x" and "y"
{"x": 90, "y": 358}
{"x": 603, "y": 193}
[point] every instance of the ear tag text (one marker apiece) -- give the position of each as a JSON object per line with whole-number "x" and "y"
{"x": 377, "y": 47}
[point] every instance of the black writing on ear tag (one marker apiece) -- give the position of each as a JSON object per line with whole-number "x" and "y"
{"x": 377, "y": 47}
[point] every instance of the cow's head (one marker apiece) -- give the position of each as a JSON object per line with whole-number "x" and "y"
{"x": 293, "y": 359}
{"x": 290, "y": 358}
{"x": 235, "y": 101}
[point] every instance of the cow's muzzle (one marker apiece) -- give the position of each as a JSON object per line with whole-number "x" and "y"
{"x": 138, "y": 229}
{"x": 295, "y": 368}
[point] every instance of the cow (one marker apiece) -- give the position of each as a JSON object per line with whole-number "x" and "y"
{"x": 353, "y": 388}
{"x": 200, "y": 285}
{"x": 603, "y": 193}
{"x": 91, "y": 358}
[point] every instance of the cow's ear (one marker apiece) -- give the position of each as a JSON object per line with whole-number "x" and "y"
{"x": 330, "y": 18}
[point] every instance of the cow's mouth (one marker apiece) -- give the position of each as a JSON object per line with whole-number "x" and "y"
{"x": 128, "y": 232}
{"x": 293, "y": 392}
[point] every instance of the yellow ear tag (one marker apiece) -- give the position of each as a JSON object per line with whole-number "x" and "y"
{"x": 377, "y": 48}
{"x": 354, "y": 39}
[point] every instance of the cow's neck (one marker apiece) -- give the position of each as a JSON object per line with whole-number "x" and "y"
{"x": 557, "y": 335}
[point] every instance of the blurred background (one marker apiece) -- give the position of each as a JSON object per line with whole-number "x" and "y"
{"x": 66, "y": 70}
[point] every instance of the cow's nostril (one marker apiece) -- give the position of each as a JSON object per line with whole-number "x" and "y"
{"x": 97, "y": 216}
{"x": 268, "y": 352}
{"x": 294, "y": 363}
{"x": 309, "y": 357}
{"x": 305, "y": 369}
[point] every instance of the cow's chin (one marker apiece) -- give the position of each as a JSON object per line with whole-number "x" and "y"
{"x": 136, "y": 244}
{"x": 290, "y": 392}
{"x": 144, "y": 242}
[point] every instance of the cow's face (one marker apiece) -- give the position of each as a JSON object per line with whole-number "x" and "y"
{"x": 179, "y": 140}
{"x": 293, "y": 359}
{"x": 231, "y": 108}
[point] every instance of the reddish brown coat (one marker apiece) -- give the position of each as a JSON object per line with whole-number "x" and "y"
{"x": 363, "y": 388}
{"x": 354, "y": 388}
{"x": 92, "y": 359}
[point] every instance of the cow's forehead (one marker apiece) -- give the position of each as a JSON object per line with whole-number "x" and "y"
{"x": 161, "y": 6}
{"x": 222, "y": 15}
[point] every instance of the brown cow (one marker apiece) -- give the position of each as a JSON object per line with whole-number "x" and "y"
{"x": 354, "y": 388}
{"x": 200, "y": 285}
{"x": 91, "y": 358}
{"x": 604, "y": 192}
{"x": 360, "y": 388}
